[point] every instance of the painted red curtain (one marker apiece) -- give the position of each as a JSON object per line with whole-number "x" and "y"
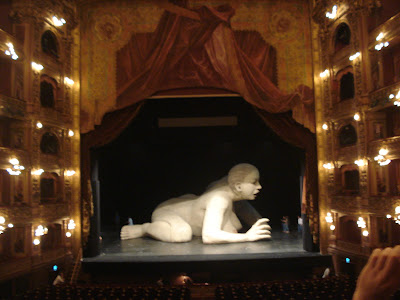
{"x": 188, "y": 53}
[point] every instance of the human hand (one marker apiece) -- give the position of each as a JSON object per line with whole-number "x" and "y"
{"x": 259, "y": 230}
{"x": 380, "y": 277}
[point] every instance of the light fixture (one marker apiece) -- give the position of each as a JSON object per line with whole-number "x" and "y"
{"x": 71, "y": 133}
{"x": 380, "y": 36}
{"x": 354, "y": 56}
{"x": 365, "y": 233}
{"x": 332, "y": 227}
{"x": 324, "y": 73}
{"x": 69, "y": 172}
{"x": 361, "y": 223}
{"x": 10, "y": 225}
{"x": 397, "y": 210}
{"x": 325, "y": 126}
{"x": 36, "y": 242}
{"x": 328, "y": 166}
{"x": 388, "y": 216}
{"x": 329, "y": 218}
{"x": 381, "y": 45}
{"x": 37, "y": 172}
{"x": 39, "y": 125}
{"x": 68, "y": 234}
{"x": 37, "y": 67}
{"x": 381, "y": 159}
{"x": 11, "y": 51}
{"x": 71, "y": 225}
{"x": 58, "y": 22}
{"x": 41, "y": 230}
{"x": 360, "y": 162}
{"x": 332, "y": 15}
{"x": 69, "y": 81}
{"x": 356, "y": 117}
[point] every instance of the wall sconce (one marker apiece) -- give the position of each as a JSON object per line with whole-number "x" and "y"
{"x": 39, "y": 125}
{"x": 332, "y": 15}
{"x": 354, "y": 56}
{"x": 71, "y": 225}
{"x": 357, "y": 117}
{"x": 361, "y": 223}
{"x": 36, "y": 242}
{"x": 11, "y": 51}
{"x": 58, "y": 22}
{"x": 37, "y": 67}
{"x": 381, "y": 159}
{"x": 365, "y": 233}
{"x": 37, "y": 172}
{"x": 360, "y": 162}
{"x": 68, "y": 234}
{"x": 16, "y": 169}
{"x": 324, "y": 73}
{"x": 69, "y": 81}
{"x": 329, "y": 218}
{"x": 71, "y": 133}
{"x": 69, "y": 172}
{"x": 325, "y": 126}
{"x": 41, "y": 230}
{"x": 328, "y": 166}
{"x": 381, "y": 45}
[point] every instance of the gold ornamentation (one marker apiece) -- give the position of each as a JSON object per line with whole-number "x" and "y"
{"x": 108, "y": 28}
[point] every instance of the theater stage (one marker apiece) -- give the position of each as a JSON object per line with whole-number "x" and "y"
{"x": 279, "y": 257}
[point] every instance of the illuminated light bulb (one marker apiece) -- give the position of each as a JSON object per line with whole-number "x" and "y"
{"x": 36, "y": 242}
{"x": 380, "y": 36}
{"x": 7, "y": 52}
{"x": 398, "y": 95}
{"x": 14, "y": 161}
{"x": 379, "y": 47}
{"x": 14, "y": 56}
{"x": 388, "y": 216}
{"x": 11, "y": 225}
{"x": 383, "y": 151}
{"x": 68, "y": 234}
{"x": 38, "y": 172}
{"x": 354, "y": 56}
{"x": 332, "y": 227}
{"x": 69, "y": 172}
{"x": 37, "y": 67}
{"x": 57, "y": 22}
{"x": 385, "y": 44}
{"x": 360, "y": 162}
{"x": 385, "y": 163}
{"x": 2, "y": 220}
{"x": 328, "y": 166}
{"x": 39, "y": 125}
{"x": 357, "y": 117}
{"x": 71, "y": 133}
{"x": 63, "y": 21}
{"x": 69, "y": 81}
{"x": 71, "y": 225}
{"x": 391, "y": 96}
{"x": 325, "y": 126}
{"x": 332, "y": 15}
{"x": 397, "y": 210}
{"x": 324, "y": 73}
{"x": 12, "y": 172}
{"x": 365, "y": 233}
{"x": 329, "y": 218}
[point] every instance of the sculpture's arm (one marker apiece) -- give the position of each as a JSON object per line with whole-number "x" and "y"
{"x": 212, "y": 225}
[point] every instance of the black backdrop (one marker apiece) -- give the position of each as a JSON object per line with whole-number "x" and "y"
{"x": 146, "y": 164}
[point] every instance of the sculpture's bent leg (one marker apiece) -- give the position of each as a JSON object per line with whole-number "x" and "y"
{"x": 169, "y": 228}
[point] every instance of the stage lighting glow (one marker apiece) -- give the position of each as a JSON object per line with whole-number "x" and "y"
{"x": 55, "y": 268}
{"x": 347, "y": 260}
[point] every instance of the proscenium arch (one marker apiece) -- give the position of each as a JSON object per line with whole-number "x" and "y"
{"x": 114, "y": 123}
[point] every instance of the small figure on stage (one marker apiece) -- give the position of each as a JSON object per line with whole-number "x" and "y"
{"x": 210, "y": 215}
{"x": 285, "y": 224}
{"x": 299, "y": 224}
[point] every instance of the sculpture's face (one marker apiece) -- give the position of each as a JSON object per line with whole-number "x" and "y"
{"x": 250, "y": 186}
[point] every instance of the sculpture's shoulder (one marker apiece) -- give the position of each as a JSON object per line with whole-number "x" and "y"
{"x": 220, "y": 197}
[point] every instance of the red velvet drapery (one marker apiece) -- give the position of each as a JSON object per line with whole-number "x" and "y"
{"x": 187, "y": 53}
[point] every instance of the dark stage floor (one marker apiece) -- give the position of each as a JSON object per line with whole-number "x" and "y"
{"x": 280, "y": 257}
{"x": 281, "y": 245}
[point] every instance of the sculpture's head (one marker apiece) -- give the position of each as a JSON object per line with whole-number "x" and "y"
{"x": 243, "y": 179}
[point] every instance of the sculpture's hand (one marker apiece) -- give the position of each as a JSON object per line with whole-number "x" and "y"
{"x": 259, "y": 230}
